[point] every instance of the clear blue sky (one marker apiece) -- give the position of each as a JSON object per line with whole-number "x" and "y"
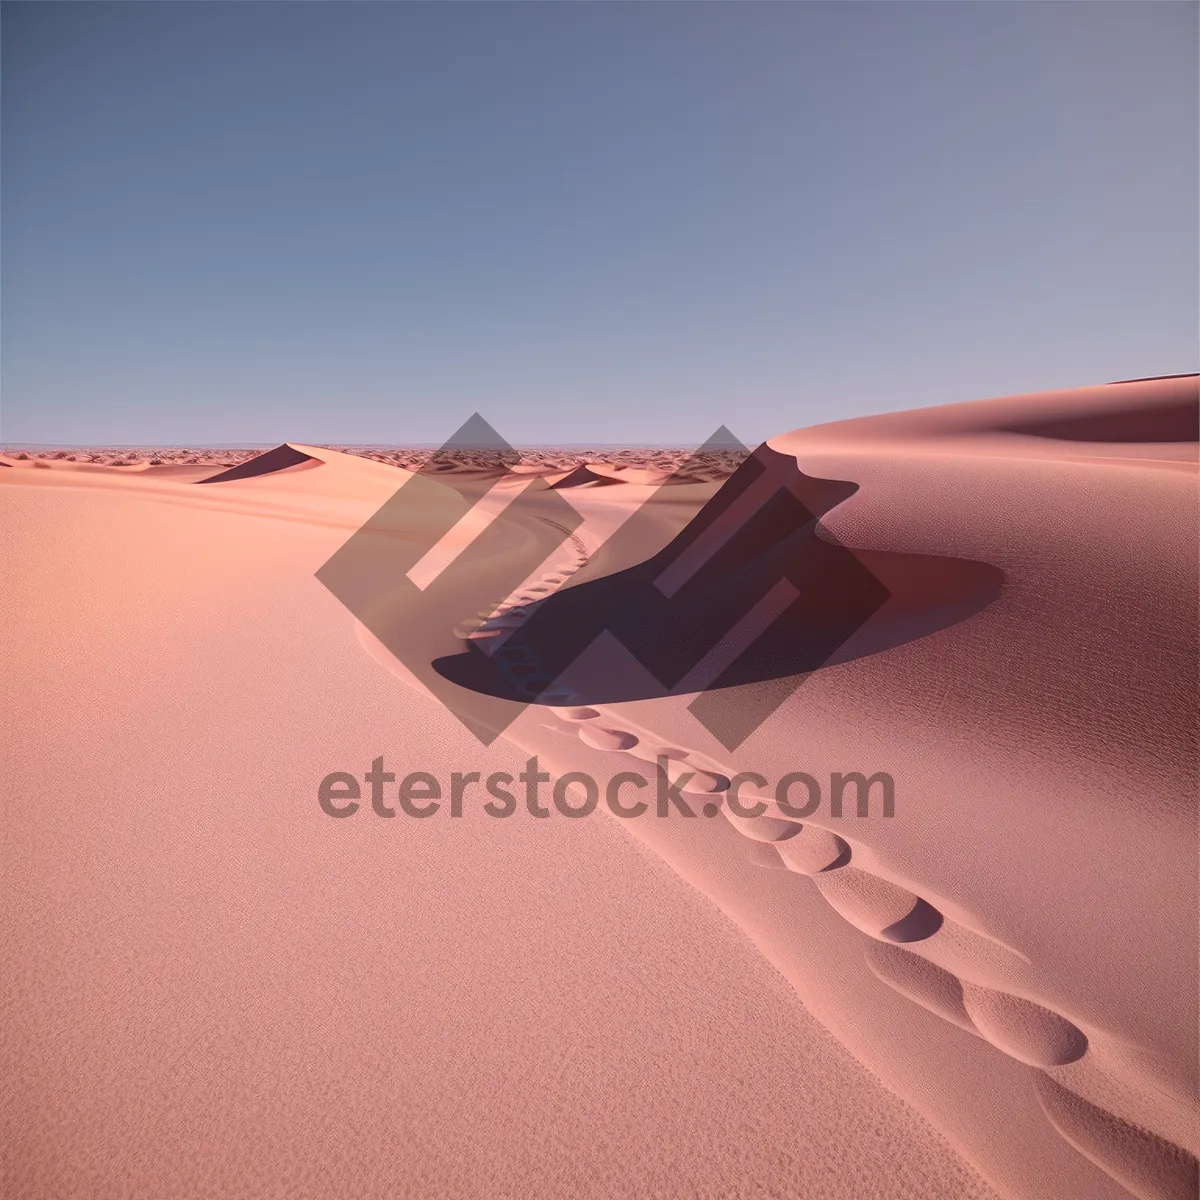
{"x": 354, "y": 222}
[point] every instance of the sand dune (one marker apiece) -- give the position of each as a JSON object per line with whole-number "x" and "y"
{"x": 282, "y": 458}
{"x": 630, "y": 474}
{"x": 991, "y": 983}
{"x": 1065, "y": 725}
{"x": 1152, "y": 419}
{"x": 581, "y": 476}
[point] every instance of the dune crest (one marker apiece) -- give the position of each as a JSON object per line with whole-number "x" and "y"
{"x": 283, "y": 458}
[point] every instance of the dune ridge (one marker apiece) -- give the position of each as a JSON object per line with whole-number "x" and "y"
{"x": 282, "y": 458}
{"x": 954, "y": 968}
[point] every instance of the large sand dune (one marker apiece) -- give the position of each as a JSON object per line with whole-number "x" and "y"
{"x": 215, "y": 989}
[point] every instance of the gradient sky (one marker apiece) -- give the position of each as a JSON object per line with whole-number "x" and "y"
{"x": 358, "y": 223}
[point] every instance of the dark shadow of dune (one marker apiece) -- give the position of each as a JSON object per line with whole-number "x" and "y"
{"x": 1172, "y": 421}
{"x": 268, "y": 463}
{"x": 741, "y": 607}
{"x": 1155, "y": 378}
{"x": 581, "y": 476}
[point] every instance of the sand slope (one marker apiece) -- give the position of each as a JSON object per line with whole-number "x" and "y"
{"x": 1044, "y": 756}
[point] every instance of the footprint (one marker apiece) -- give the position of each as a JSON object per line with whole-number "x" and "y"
{"x": 701, "y": 783}
{"x": 1024, "y": 1030}
{"x": 764, "y": 829}
{"x": 504, "y": 622}
{"x": 576, "y": 714}
{"x": 1146, "y": 1165}
{"x": 764, "y": 854}
{"x": 484, "y": 634}
{"x": 813, "y": 850}
{"x": 879, "y": 908}
{"x": 607, "y": 739}
{"x": 651, "y": 752}
{"x": 929, "y": 986}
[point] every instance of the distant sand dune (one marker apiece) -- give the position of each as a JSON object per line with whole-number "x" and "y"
{"x": 282, "y": 458}
{"x": 581, "y": 476}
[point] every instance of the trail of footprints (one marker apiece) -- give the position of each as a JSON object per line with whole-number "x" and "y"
{"x": 1146, "y": 1165}
{"x": 493, "y": 627}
